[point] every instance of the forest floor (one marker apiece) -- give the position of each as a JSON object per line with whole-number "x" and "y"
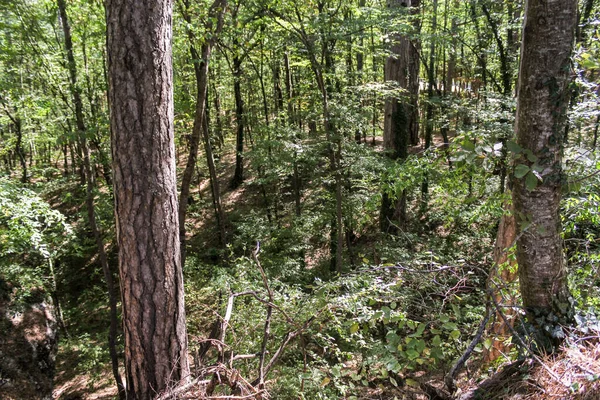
{"x": 575, "y": 369}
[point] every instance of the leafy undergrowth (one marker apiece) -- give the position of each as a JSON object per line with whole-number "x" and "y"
{"x": 389, "y": 326}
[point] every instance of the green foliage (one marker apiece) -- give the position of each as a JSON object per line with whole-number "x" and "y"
{"x": 33, "y": 237}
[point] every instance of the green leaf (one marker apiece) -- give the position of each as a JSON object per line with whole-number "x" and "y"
{"x": 412, "y": 383}
{"x": 468, "y": 145}
{"x": 530, "y": 156}
{"x": 354, "y": 328}
{"x": 513, "y": 147}
{"x": 531, "y": 181}
{"x": 412, "y": 354}
{"x": 455, "y": 334}
{"x": 521, "y": 170}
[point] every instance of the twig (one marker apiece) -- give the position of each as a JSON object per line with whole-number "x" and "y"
{"x": 449, "y": 379}
{"x": 230, "y": 397}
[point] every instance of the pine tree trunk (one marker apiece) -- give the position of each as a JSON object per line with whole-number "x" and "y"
{"x": 145, "y": 187}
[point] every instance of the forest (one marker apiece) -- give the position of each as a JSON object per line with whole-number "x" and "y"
{"x": 280, "y": 199}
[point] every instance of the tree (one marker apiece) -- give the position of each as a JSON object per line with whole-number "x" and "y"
{"x": 141, "y": 98}
{"x": 201, "y": 62}
{"x": 401, "y": 117}
{"x": 542, "y": 101}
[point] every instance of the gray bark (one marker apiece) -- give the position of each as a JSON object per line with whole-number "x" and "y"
{"x": 542, "y": 101}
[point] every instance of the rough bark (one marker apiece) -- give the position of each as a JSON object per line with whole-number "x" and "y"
{"x": 143, "y": 149}
{"x": 542, "y": 102}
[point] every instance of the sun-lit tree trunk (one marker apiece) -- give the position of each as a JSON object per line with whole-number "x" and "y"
{"x": 542, "y": 102}
{"x": 90, "y": 186}
{"x": 145, "y": 187}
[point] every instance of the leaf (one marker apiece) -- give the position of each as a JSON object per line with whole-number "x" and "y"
{"x": 325, "y": 382}
{"x": 531, "y": 181}
{"x": 412, "y": 383}
{"x": 521, "y": 170}
{"x": 468, "y": 145}
{"x": 530, "y": 156}
{"x": 354, "y": 328}
{"x": 513, "y": 147}
{"x": 412, "y": 354}
{"x": 450, "y": 326}
{"x": 455, "y": 334}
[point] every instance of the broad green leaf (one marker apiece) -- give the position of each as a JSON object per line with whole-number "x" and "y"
{"x": 513, "y": 147}
{"x": 531, "y": 181}
{"x": 521, "y": 170}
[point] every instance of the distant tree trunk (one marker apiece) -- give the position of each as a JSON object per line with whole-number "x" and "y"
{"x": 396, "y": 134}
{"x": 145, "y": 187}
{"x": 238, "y": 176}
{"x": 89, "y": 201}
{"x": 200, "y": 62}
{"x": 584, "y": 21}
{"x": 414, "y": 66}
{"x": 542, "y": 102}
{"x": 429, "y": 110}
{"x": 19, "y": 146}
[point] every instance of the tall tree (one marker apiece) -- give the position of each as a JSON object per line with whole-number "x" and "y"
{"x": 141, "y": 96}
{"x": 542, "y": 101}
{"x": 399, "y": 117}
{"x": 201, "y": 61}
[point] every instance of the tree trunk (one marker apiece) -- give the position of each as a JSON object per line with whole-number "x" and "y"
{"x": 19, "y": 149}
{"x": 200, "y": 62}
{"x": 542, "y": 102}
{"x": 429, "y": 111}
{"x": 145, "y": 187}
{"x": 396, "y": 136}
{"x": 238, "y": 176}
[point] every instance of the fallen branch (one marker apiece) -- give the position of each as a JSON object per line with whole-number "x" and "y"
{"x": 450, "y": 377}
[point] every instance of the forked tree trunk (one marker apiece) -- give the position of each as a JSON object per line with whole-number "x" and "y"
{"x": 542, "y": 101}
{"x": 145, "y": 187}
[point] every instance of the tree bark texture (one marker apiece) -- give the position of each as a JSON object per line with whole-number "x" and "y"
{"x": 143, "y": 149}
{"x": 542, "y": 103}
